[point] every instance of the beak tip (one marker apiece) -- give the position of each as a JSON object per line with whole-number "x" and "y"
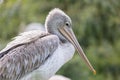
{"x": 94, "y": 72}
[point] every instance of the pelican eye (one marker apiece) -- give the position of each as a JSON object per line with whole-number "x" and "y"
{"x": 67, "y": 24}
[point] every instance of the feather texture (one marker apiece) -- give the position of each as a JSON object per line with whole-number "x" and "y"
{"x": 22, "y": 59}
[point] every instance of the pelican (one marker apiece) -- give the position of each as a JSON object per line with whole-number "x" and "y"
{"x": 41, "y": 51}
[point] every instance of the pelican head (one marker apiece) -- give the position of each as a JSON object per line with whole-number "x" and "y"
{"x": 60, "y": 24}
{"x": 56, "y": 20}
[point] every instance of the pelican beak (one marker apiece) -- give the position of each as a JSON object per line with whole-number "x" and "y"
{"x": 69, "y": 34}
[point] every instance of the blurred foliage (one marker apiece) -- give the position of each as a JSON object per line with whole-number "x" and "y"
{"x": 96, "y": 24}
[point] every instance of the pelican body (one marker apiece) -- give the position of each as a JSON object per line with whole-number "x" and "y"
{"x": 41, "y": 51}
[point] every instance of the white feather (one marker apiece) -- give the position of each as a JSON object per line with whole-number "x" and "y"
{"x": 23, "y": 38}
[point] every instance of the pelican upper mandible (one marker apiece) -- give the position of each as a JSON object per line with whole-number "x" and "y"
{"x": 41, "y": 51}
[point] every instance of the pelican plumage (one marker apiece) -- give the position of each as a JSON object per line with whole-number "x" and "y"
{"x": 41, "y": 51}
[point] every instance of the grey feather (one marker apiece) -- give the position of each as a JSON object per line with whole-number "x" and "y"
{"x": 26, "y": 56}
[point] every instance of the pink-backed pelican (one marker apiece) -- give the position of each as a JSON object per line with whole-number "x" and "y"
{"x": 42, "y": 51}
